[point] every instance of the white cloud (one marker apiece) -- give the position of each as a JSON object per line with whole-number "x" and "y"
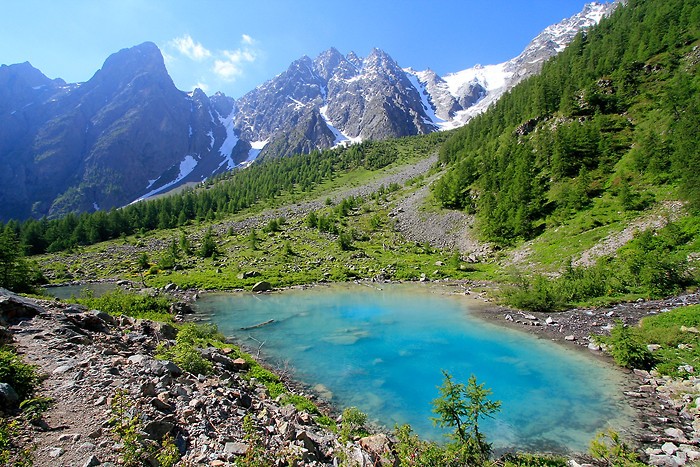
{"x": 204, "y": 87}
{"x": 188, "y": 47}
{"x": 230, "y": 64}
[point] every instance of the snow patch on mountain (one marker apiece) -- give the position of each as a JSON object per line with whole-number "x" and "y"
{"x": 255, "y": 148}
{"x": 187, "y": 165}
{"x": 425, "y": 98}
{"x": 341, "y": 139}
{"x": 491, "y": 77}
{"x": 229, "y": 143}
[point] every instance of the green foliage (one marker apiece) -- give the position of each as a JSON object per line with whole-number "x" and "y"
{"x": 127, "y": 427}
{"x": 10, "y": 452}
{"x": 627, "y": 350}
{"x": 461, "y": 407}
{"x": 537, "y": 294}
{"x": 208, "y": 248}
{"x": 301, "y": 403}
{"x": 263, "y": 183}
{"x": 21, "y": 376}
{"x": 16, "y": 273}
{"x": 675, "y": 332}
{"x": 345, "y": 241}
{"x": 652, "y": 265}
{"x": 353, "y": 424}
{"x": 187, "y": 357}
{"x": 609, "y": 449}
{"x": 168, "y": 455}
{"x": 34, "y": 408}
{"x": 143, "y": 261}
{"x": 253, "y": 240}
{"x": 257, "y": 454}
{"x": 185, "y": 353}
{"x": 411, "y": 451}
{"x": 263, "y": 375}
{"x": 624, "y": 95}
{"x": 199, "y": 334}
{"x": 532, "y": 460}
{"x": 118, "y": 302}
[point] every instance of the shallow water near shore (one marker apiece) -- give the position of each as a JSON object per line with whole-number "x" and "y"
{"x": 64, "y": 292}
{"x": 383, "y": 351}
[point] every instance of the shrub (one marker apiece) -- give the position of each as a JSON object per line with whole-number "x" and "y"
{"x": 21, "y": 376}
{"x": 538, "y": 294}
{"x": 301, "y": 403}
{"x": 627, "y": 350}
{"x": 187, "y": 357}
{"x": 199, "y": 334}
{"x": 609, "y": 449}
{"x": 353, "y": 424}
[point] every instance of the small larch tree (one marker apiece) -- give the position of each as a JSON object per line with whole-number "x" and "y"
{"x": 461, "y": 407}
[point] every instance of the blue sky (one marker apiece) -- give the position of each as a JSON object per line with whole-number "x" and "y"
{"x": 233, "y": 45}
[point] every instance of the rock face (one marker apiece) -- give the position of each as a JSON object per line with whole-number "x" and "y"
{"x": 100, "y": 144}
{"x": 129, "y": 133}
{"x": 318, "y": 103}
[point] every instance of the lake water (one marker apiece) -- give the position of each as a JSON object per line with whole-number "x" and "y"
{"x": 383, "y": 351}
{"x": 64, "y": 292}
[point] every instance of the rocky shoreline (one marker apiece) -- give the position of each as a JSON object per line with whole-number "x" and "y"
{"x": 87, "y": 355}
{"x": 668, "y": 410}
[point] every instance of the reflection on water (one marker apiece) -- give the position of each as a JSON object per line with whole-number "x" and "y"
{"x": 383, "y": 352}
{"x": 63, "y": 292}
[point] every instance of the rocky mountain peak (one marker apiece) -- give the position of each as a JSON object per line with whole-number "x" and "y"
{"x": 128, "y": 64}
{"x": 379, "y": 60}
{"x": 353, "y": 58}
{"x": 328, "y": 62}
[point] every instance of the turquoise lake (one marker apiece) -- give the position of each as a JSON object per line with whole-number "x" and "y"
{"x": 383, "y": 351}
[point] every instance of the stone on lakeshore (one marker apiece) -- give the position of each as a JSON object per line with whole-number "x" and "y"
{"x": 165, "y": 330}
{"x": 157, "y": 429}
{"x": 262, "y": 286}
{"x": 669, "y": 448}
{"x": 248, "y": 274}
{"x": 570, "y": 338}
{"x": 91, "y": 461}
{"x": 56, "y": 452}
{"x": 236, "y": 449}
{"x": 62, "y": 369}
{"x": 676, "y": 434}
{"x": 662, "y": 460}
{"x": 8, "y": 396}
{"x": 379, "y": 447}
{"x": 161, "y": 405}
{"x": 14, "y": 308}
{"x": 593, "y": 346}
{"x": 550, "y": 320}
{"x": 137, "y": 359}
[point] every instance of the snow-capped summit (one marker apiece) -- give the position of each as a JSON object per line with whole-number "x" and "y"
{"x": 488, "y": 83}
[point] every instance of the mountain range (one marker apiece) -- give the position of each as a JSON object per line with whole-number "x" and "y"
{"x": 128, "y": 133}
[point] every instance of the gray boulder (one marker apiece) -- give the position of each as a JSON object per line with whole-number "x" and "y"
{"x": 262, "y": 286}
{"x": 8, "y": 396}
{"x": 14, "y": 308}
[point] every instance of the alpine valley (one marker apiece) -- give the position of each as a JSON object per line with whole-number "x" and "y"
{"x": 128, "y": 133}
{"x": 555, "y": 195}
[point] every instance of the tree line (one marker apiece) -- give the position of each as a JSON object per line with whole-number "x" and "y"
{"x": 616, "y": 111}
{"x": 221, "y": 196}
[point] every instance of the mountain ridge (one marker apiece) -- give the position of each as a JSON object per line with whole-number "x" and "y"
{"x": 92, "y": 145}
